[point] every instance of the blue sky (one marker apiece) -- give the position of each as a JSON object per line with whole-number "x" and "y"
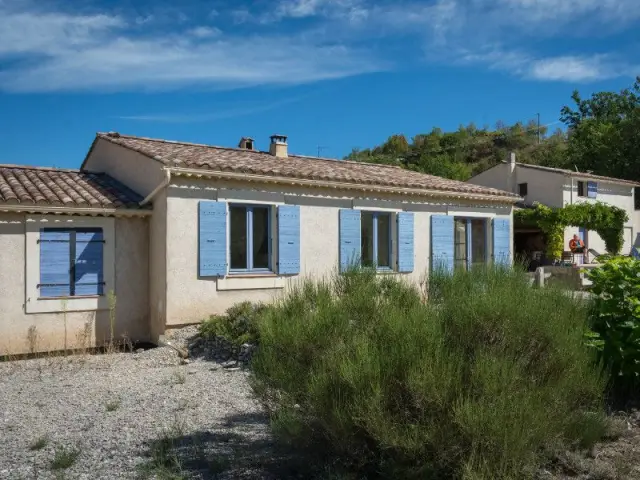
{"x": 332, "y": 73}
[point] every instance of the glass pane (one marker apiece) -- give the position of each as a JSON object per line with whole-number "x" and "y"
{"x": 460, "y": 242}
{"x": 238, "y": 237}
{"x": 260, "y": 238}
{"x": 478, "y": 241}
{"x": 384, "y": 240}
{"x": 367, "y": 238}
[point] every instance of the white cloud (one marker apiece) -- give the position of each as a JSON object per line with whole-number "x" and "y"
{"x": 204, "y": 32}
{"x": 65, "y": 51}
{"x": 565, "y": 68}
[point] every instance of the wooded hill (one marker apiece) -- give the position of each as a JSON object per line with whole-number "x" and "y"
{"x": 602, "y": 135}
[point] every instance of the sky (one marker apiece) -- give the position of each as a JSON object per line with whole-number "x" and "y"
{"x": 332, "y": 75}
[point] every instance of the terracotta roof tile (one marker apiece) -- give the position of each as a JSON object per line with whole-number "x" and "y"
{"x": 573, "y": 173}
{"x": 57, "y": 187}
{"x": 207, "y": 157}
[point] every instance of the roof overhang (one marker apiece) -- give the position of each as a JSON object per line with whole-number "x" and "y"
{"x": 420, "y": 192}
{"x": 64, "y": 210}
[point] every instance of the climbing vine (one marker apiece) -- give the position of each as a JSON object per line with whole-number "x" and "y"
{"x": 608, "y": 221}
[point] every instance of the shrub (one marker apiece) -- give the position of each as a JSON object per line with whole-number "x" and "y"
{"x": 238, "y": 325}
{"x": 475, "y": 384}
{"x": 615, "y": 319}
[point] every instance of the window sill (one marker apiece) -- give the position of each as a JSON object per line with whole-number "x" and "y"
{"x": 252, "y": 275}
{"x": 75, "y": 297}
{"x": 251, "y": 281}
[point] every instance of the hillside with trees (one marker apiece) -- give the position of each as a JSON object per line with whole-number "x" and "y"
{"x": 602, "y": 135}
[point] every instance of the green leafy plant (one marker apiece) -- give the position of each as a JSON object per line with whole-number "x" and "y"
{"x": 607, "y": 220}
{"x": 361, "y": 369}
{"x": 616, "y": 318}
{"x": 238, "y": 325}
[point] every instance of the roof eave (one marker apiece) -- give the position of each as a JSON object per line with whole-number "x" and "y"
{"x": 65, "y": 210}
{"x": 201, "y": 173}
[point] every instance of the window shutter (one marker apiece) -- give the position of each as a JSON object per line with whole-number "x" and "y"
{"x": 502, "y": 241}
{"x": 288, "y": 239}
{"x": 350, "y": 237}
{"x": 592, "y": 189}
{"x": 405, "y": 242}
{"x": 55, "y": 263}
{"x": 442, "y": 245}
{"x": 88, "y": 268}
{"x": 212, "y": 239}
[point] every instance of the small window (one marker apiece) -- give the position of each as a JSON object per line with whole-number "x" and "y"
{"x": 636, "y": 197}
{"x": 522, "y": 189}
{"x": 71, "y": 262}
{"x": 376, "y": 239}
{"x": 250, "y": 239}
{"x": 582, "y": 191}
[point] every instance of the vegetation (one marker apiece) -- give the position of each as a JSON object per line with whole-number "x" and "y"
{"x": 608, "y": 221}
{"x": 616, "y": 320}
{"x": 64, "y": 458}
{"x": 362, "y": 369}
{"x": 238, "y": 325}
{"x": 601, "y": 136}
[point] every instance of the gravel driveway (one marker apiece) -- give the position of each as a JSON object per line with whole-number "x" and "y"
{"x": 129, "y": 415}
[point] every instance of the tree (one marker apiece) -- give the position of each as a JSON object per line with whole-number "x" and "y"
{"x": 604, "y": 132}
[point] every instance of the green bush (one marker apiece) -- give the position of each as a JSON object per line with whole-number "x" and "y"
{"x": 615, "y": 319}
{"x": 238, "y": 325}
{"x": 477, "y": 383}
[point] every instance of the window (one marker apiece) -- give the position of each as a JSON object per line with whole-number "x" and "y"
{"x": 71, "y": 262}
{"x": 469, "y": 242}
{"x": 582, "y": 191}
{"x": 250, "y": 238}
{"x": 636, "y": 198}
{"x": 376, "y": 239}
{"x": 460, "y": 243}
{"x": 522, "y": 189}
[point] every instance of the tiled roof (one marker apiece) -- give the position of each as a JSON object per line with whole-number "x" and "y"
{"x": 573, "y": 173}
{"x": 207, "y": 157}
{"x": 21, "y": 185}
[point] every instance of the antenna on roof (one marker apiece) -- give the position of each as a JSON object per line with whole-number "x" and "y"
{"x": 320, "y": 148}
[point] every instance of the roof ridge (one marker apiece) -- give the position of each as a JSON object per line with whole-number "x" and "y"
{"x": 115, "y": 135}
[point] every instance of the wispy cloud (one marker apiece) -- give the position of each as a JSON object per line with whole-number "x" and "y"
{"x": 288, "y": 42}
{"x": 237, "y": 111}
{"x": 69, "y": 51}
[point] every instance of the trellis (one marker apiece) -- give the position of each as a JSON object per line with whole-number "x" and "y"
{"x": 607, "y": 220}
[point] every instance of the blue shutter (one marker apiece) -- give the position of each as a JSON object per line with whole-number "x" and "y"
{"x": 55, "y": 263}
{"x": 212, "y": 239}
{"x": 405, "y": 242}
{"x": 89, "y": 275}
{"x": 288, "y": 239}
{"x": 502, "y": 241}
{"x": 350, "y": 237}
{"x": 592, "y": 189}
{"x": 442, "y": 254}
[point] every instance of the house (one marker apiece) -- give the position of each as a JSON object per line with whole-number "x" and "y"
{"x": 151, "y": 234}
{"x": 558, "y": 187}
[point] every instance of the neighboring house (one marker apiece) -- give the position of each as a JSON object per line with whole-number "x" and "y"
{"x": 558, "y": 187}
{"x": 208, "y": 227}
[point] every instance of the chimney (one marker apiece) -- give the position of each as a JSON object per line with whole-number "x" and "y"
{"x": 278, "y": 146}
{"x": 246, "y": 143}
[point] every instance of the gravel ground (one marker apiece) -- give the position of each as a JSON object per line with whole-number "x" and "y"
{"x": 130, "y": 413}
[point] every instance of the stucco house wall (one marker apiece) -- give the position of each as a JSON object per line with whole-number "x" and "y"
{"x": 83, "y": 328}
{"x": 610, "y": 193}
{"x": 191, "y": 299}
{"x": 139, "y": 172}
{"x": 543, "y": 187}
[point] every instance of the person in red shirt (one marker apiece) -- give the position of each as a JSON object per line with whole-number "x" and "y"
{"x": 576, "y": 245}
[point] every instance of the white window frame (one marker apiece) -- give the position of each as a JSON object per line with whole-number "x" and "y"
{"x": 33, "y": 302}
